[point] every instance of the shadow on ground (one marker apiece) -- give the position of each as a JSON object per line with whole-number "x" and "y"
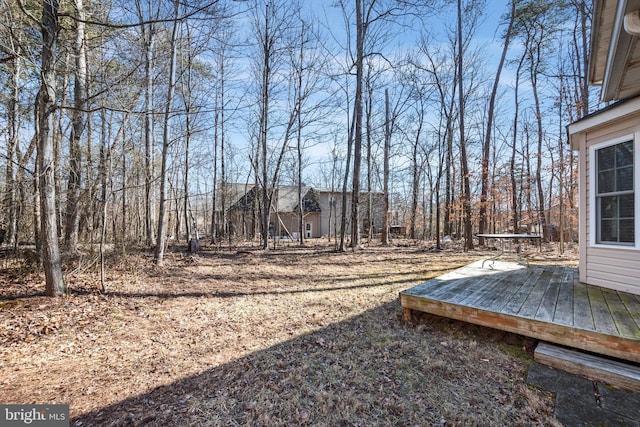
{"x": 371, "y": 369}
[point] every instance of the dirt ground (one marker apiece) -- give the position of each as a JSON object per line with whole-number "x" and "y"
{"x": 240, "y": 336}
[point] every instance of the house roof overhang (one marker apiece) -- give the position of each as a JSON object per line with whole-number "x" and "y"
{"x": 617, "y": 111}
{"x": 615, "y": 51}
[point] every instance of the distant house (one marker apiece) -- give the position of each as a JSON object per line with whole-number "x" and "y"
{"x": 321, "y": 207}
{"x": 609, "y": 150}
{"x": 286, "y": 213}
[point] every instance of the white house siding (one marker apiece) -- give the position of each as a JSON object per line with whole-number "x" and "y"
{"x": 609, "y": 267}
{"x": 327, "y": 226}
{"x": 289, "y": 224}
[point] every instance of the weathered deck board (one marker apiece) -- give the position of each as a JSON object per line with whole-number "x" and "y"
{"x": 515, "y": 303}
{"x": 543, "y": 302}
{"x": 564, "y": 306}
{"x": 633, "y": 306}
{"x": 532, "y": 303}
{"x": 463, "y": 289}
{"x": 601, "y": 315}
{"x": 504, "y": 285}
{"x": 549, "y": 302}
{"x": 621, "y": 316}
{"x": 492, "y": 286}
{"x": 582, "y": 315}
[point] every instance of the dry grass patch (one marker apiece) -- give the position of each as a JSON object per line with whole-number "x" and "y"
{"x": 293, "y": 336}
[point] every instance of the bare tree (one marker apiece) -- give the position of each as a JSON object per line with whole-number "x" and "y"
{"x": 361, "y": 30}
{"x": 486, "y": 145}
{"x": 78, "y": 122}
{"x": 267, "y": 38}
{"x": 537, "y": 23}
{"x": 147, "y": 14}
{"x": 166, "y": 141}
{"x": 443, "y": 76}
{"x": 515, "y": 201}
{"x": 466, "y": 187}
{"x": 13, "y": 119}
{"x": 54, "y": 279}
{"x": 386, "y": 155}
{"x": 273, "y": 29}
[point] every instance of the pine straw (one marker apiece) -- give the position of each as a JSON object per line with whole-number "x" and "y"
{"x": 293, "y": 336}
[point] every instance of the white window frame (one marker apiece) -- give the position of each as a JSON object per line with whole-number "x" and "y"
{"x": 593, "y": 209}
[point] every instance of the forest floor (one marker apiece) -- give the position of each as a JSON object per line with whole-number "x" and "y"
{"x": 241, "y": 336}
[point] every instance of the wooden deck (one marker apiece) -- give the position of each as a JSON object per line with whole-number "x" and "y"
{"x": 544, "y": 302}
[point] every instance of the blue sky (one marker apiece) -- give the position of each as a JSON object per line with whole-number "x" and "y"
{"x": 487, "y": 38}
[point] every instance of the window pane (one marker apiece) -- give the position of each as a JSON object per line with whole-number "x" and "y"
{"x": 608, "y": 207}
{"x": 624, "y": 179}
{"x": 626, "y": 206}
{"x": 606, "y": 158}
{"x": 627, "y": 231}
{"x": 624, "y": 154}
{"x": 606, "y": 181}
{"x": 608, "y": 230}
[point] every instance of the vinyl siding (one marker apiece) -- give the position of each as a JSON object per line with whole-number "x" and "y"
{"x": 614, "y": 268}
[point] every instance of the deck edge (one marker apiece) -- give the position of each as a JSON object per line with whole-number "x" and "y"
{"x": 586, "y": 340}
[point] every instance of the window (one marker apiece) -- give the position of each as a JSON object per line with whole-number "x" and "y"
{"x": 614, "y": 194}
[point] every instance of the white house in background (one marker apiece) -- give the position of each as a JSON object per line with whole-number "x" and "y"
{"x": 608, "y": 142}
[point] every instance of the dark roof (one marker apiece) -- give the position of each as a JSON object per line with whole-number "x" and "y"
{"x": 285, "y": 199}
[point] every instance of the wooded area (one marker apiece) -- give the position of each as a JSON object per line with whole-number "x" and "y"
{"x": 127, "y": 122}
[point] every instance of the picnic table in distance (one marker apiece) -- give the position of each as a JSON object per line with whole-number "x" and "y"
{"x": 510, "y": 237}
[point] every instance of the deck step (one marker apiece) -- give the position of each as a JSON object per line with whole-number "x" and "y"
{"x": 612, "y": 372}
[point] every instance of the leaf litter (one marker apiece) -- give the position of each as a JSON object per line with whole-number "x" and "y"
{"x": 291, "y": 336}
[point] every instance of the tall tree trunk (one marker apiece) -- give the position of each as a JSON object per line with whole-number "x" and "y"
{"x": 298, "y": 115}
{"x": 104, "y": 172}
{"x": 415, "y": 182}
{"x": 441, "y": 155}
{"x": 219, "y": 218}
{"x": 149, "y": 32}
{"x": 264, "y": 126}
{"x": 357, "y": 141}
{"x": 186, "y": 96}
{"x": 515, "y": 203}
{"x": 369, "y": 113}
{"x": 387, "y": 150}
{"x": 486, "y": 146}
{"x": 214, "y": 199}
{"x": 77, "y": 129}
{"x": 541, "y": 198}
{"x": 159, "y": 251}
{"x": 223, "y": 174}
{"x": 345, "y": 182}
{"x": 584, "y": 14}
{"x": 13, "y": 114}
{"x": 125, "y": 201}
{"x": 448, "y": 187}
{"x": 301, "y": 237}
{"x": 299, "y": 177}
{"x": 527, "y": 175}
{"x": 466, "y": 188}
{"x": 37, "y": 209}
{"x": 52, "y": 263}
{"x": 146, "y": 13}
